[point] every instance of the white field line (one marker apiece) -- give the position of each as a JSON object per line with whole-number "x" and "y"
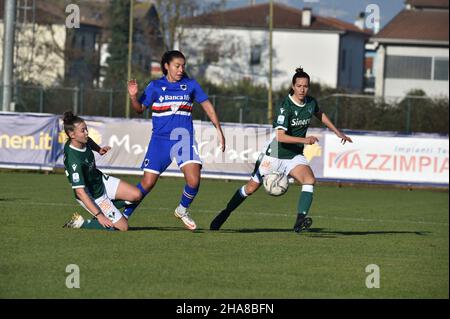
{"x": 364, "y": 220}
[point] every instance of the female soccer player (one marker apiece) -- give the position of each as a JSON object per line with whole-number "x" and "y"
{"x": 285, "y": 152}
{"x": 171, "y": 100}
{"x": 93, "y": 190}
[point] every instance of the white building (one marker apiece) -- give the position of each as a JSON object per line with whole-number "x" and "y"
{"x": 233, "y": 45}
{"x": 412, "y": 51}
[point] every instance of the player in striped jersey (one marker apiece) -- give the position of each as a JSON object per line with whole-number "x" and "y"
{"x": 171, "y": 99}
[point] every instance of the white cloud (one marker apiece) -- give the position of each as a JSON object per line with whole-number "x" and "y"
{"x": 332, "y": 12}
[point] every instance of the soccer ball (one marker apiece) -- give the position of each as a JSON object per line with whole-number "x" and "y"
{"x": 275, "y": 183}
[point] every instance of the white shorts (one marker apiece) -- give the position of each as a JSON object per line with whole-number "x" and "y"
{"x": 270, "y": 164}
{"x": 104, "y": 202}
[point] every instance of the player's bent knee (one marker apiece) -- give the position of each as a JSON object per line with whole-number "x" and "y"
{"x": 121, "y": 224}
{"x": 136, "y": 196}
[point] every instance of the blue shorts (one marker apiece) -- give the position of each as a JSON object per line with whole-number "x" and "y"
{"x": 162, "y": 151}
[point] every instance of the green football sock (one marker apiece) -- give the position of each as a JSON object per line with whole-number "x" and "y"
{"x": 305, "y": 200}
{"x": 93, "y": 224}
{"x": 237, "y": 199}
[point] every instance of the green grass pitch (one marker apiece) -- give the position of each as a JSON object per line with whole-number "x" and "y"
{"x": 256, "y": 255}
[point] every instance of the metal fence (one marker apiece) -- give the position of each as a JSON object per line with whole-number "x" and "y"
{"x": 358, "y": 112}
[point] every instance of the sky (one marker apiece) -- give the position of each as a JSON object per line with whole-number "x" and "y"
{"x": 346, "y": 10}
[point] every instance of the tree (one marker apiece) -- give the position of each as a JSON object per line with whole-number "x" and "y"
{"x": 172, "y": 12}
{"x": 116, "y": 73}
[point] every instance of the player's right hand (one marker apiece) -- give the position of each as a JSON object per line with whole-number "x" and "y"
{"x": 310, "y": 140}
{"x": 132, "y": 87}
{"x": 104, "y": 221}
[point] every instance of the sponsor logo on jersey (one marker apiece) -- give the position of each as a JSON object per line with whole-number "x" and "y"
{"x": 296, "y": 113}
{"x": 163, "y": 88}
{"x": 310, "y": 110}
{"x": 74, "y": 167}
{"x": 281, "y": 110}
{"x": 183, "y": 87}
{"x": 161, "y": 99}
{"x": 146, "y": 162}
{"x": 280, "y": 119}
{"x": 75, "y": 177}
{"x": 297, "y": 122}
{"x": 176, "y": 97}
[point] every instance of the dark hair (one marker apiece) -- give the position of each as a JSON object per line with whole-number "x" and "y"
{"x": 70, "y": 120}
{"x": 168, "y": 56}
{"x": 299, "y": 73}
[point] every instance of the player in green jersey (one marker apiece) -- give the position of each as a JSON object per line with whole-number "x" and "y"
{"x": 285, "y": 152}
{"x": 93, "y": 190}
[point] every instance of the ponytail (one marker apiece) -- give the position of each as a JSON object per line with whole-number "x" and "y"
{"x": 70, "y": 120}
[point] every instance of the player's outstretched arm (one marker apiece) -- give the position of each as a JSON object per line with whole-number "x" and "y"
{"x": 133, "y": 91}
{"x": 95, "y": 147}
{"x": 209, "y": 110}
{"x": 325, "y": 120}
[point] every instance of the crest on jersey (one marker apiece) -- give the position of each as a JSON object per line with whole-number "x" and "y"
{"x": 280, "y": 119}
{"x": 183, "y": 87}
{"x": 74, "y": 167}
{"x": 161, "y": 99}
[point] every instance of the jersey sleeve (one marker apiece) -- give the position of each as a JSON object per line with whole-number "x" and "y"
{"x": 148, "y": 96}
{"x": 199, "y": 95}
{"x": 75, "y": 173}
{"x": 281, "y": 120}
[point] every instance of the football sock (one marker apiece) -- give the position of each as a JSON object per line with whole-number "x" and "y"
{"x": 188, "y": 196}
{"x": 130, "y": 209}
{"x": 93, "y": 224}
{"x": 237, "y": 199}
{"x": 305, "y": 200}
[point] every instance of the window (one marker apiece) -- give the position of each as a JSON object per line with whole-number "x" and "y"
{"x": 441, "y": 69}
{"x": 210, "y": 54}
{"x": 408, "y": 67}
{"x": 255, "y": 54}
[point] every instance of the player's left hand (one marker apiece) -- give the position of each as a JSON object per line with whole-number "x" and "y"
{"x": 344, "y": 138}
{"x": 104, "y": 150}
{"x": 222, "y": 141}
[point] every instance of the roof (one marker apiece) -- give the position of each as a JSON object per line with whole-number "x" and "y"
{"x": 284, "y": 17}
{"x": 431, "y": 4}
{"x": 416, "y": 25}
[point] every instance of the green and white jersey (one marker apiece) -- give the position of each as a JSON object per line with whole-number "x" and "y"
{"x": 82, "y": 171}
{"x": 295, "y": 119}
